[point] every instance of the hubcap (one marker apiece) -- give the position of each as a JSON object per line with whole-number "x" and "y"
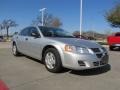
{"x": 50, "y": 60}
{"x": 14, "y": 49}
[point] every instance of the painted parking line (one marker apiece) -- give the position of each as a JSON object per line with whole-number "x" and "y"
{"x": 3, "y": 86}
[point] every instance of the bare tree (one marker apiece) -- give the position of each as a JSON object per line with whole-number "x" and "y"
{"x": 49, "y": 20}
{"x": 76, "y": 33}
{"x": 56, "y": 22}
{"x": 1, "y": 28}
{"x": 7, "y": 24}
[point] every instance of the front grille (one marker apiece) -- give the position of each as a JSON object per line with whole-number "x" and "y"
{"x": 99, "y": 55}
{"x": 95, "y": 50}
{"x": 104, "y": 59}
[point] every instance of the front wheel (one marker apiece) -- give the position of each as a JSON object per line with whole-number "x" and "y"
{"x": 52, "y": 60}
{"x": 15, "y": 50}
{"x": 111, "y": 48}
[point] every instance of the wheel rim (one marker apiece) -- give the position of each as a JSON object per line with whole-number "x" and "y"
{"x": 50, "y": 60}
{"x": 14, "y": 49}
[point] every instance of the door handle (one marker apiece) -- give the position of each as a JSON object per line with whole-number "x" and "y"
{"x": 26, "y": 39}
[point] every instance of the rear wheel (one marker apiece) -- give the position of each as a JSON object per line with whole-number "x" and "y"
{"x": 52, "y": 60}
{"x": 111, "y": 48}
{"x": 15, "y": 50}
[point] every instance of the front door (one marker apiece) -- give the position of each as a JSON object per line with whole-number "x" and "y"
{"x": 34, "y": 43}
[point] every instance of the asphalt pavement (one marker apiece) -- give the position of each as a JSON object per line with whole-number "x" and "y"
{"x": 25, "y": 73}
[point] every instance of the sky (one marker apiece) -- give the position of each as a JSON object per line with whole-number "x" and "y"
{"x": 25, "y": 11}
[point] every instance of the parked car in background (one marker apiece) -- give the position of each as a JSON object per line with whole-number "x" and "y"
{"x": 1, "y": 38}
{"x": 57, "y": 49}
{"x": 114, "y": 41}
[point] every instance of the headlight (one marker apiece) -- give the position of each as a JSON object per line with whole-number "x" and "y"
{"x": 76, "y": 49}
{"x": 82, "y": 50}
{"x": 69, "y": 48}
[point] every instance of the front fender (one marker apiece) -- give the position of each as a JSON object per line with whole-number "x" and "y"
{"x": 60, "y": 49}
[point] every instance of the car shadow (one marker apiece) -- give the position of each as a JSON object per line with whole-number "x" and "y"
{"x": 92, "y": 72}
{"x": 116, "y": 49}
{"x": 33, "y": 59}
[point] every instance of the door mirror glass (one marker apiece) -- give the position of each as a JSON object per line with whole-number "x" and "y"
{"x": 36, "y": 35}
{"x": 34, "y": 32}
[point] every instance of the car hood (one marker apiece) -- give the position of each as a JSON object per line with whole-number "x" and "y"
{"x": 77, "y": 42}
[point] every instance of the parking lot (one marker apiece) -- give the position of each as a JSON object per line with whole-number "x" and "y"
{"x": 24, "y": 73}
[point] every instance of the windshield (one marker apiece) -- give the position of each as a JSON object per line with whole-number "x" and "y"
{"x": 55, "y": 32}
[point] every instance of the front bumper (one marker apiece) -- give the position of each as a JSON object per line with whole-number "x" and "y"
{"x": 84, "y": 61}
{"x": 115, "y": 45}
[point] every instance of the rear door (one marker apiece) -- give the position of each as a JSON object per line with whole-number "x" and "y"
{"x": 21, "y": 40}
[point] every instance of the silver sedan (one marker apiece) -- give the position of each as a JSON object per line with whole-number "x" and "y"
{"x": 57, "y": 49}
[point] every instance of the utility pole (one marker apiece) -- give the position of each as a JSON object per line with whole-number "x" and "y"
{"x": 1, "y": 29}
{"x": 81, "y": 11}
{"x": 42, "y": 11}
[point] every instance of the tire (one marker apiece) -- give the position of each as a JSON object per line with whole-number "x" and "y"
{"x": 15, "y": 50}
{"x": 111, "y": 48}
{"x": 52, "y": 60}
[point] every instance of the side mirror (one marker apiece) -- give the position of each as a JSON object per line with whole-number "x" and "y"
{"x": 36, "y": 35}
{"x": 15, "y": 33}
